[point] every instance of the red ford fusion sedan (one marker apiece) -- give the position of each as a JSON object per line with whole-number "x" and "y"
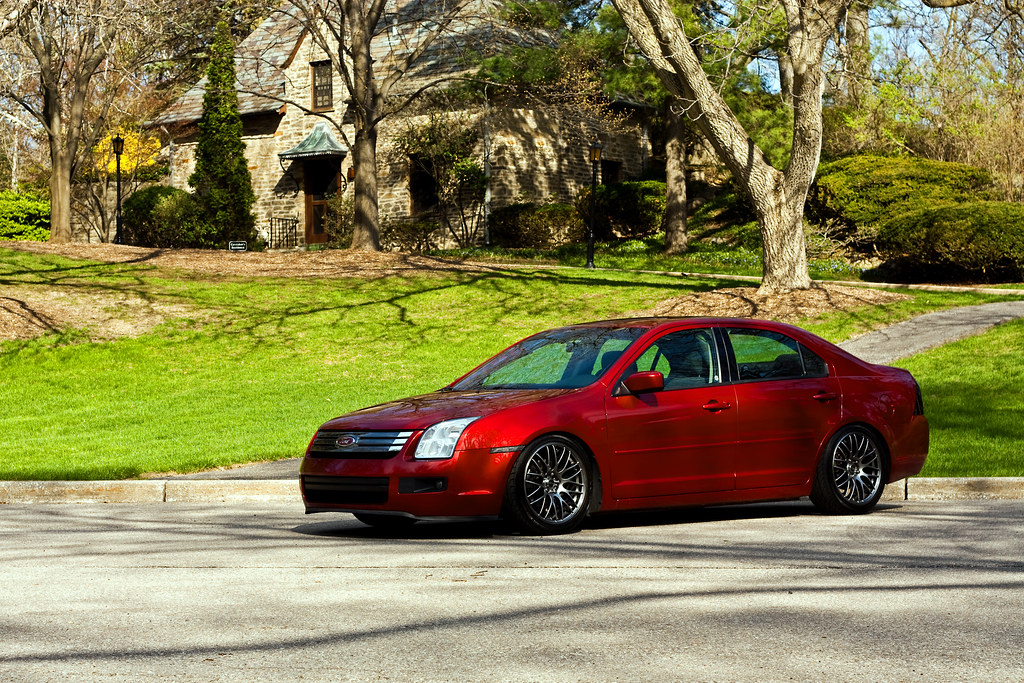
{"x": 624, "y": 415}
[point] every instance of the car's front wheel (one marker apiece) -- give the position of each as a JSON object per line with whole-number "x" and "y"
{"x": 549, "y": 489}
{"x": 851, "y": 473}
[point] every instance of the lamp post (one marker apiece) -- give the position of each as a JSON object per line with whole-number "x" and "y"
{"x": 118, "y": 144}
{"x": 595, "y": 158}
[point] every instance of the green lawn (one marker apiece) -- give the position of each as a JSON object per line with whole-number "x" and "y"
{"x": 974, "y": 400}
{"x": 260, "y": 363}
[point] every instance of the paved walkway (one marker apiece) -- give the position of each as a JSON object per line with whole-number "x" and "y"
{"x": 931, "y": 330}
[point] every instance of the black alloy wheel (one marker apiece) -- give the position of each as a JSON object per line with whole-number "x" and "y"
{"x": 549, "y": 490}
{"x": 851, "y": 473}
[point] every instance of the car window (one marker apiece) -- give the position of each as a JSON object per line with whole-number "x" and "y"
{"x": 558, "y": 359}
{"x": 763, "y": 354}
{"x": 546, "y": 365}
{"x": 685, "y": 358}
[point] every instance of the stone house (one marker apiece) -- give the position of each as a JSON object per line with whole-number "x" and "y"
{"x": 292, "y": 104}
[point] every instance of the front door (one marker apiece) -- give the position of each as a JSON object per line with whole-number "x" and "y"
{"x": 682, "y": 439}
{"x": 323, "y": 178}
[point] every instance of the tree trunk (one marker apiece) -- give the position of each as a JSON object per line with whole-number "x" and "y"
{"x": 60, "y": 197}
{"x": 366, "y": 103}
{"x": 676, "y": 236}
{"x": 858, "y": 52}
{"x": 782, "y": 232}
{"x": 366, "y": 229}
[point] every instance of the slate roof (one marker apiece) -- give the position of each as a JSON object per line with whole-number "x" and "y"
{"x": 260, "y": 62}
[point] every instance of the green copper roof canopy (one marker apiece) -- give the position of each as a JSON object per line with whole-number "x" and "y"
{"x": 319, "y": 143}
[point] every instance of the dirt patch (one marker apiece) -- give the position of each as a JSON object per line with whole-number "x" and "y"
{"x": 745, "y": 302}
{"x": 28, "y": 312}
{"x": 325, "y": 263}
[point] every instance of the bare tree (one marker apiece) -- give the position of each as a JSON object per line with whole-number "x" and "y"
{"x": 387, "y": 55}
{"x": 79, "y": 53}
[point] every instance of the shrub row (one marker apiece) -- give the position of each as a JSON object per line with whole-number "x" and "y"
{"x": 974, "y": 241}
{"x": 865, "y": 192}
{"x": 166, "y": 217}
{"x": 625, "y": 210}
{"x": 23, "y": 217}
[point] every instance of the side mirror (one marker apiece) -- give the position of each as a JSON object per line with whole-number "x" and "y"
{"x": 642, "y": 383}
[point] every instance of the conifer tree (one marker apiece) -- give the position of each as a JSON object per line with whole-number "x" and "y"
{"x": 221, "y": 182}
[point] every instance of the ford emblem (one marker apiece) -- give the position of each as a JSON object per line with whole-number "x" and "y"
{"x": 346, "y": 441}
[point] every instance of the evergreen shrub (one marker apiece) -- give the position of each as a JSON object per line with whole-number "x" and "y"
{"x": 222, "y": 182}
{"x": 631, "y": 209}
{"x": 974, "y": 241}
{"x": 528, "y": 225}
{"x": 24, "y": 217}
{"x": 165, "y": 217}
{"x": 856, "y": 195}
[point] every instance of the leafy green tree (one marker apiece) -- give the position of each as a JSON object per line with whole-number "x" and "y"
{"x": 222, "y": 183}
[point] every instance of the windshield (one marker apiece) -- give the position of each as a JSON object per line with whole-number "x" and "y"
{"x": 559, "y": 359}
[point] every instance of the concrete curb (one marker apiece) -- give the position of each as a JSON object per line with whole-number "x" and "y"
{"x": 218, "y": 491}
{"x": 150, "y": 491}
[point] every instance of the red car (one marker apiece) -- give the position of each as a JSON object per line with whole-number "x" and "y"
{"x": 624, "y": 415}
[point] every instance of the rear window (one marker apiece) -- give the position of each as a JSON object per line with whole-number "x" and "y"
{"x": 763, "y": 354}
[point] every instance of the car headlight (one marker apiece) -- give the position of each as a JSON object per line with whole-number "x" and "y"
{"x": 438, "y": 442}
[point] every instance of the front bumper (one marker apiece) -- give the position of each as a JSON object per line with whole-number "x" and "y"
{"x": 470, "y": 484}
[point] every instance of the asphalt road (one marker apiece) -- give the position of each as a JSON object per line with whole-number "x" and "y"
{"x": 919, "y": 590}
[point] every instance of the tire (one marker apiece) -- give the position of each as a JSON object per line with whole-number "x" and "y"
{"x": 384, "y": 521}
{"x": 550, "y": 487}
{"x": 851, "y": 473}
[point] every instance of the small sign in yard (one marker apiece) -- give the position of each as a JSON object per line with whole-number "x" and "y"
{"x": 238, "y": 246}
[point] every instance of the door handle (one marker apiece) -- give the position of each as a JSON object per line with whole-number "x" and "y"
{"x": 715, "y": 406}
{"x": 825, "y": 396}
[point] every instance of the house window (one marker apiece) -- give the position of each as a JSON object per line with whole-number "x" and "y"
{"x": 611, "y": 172}
{"x": 422, "y": 186}
{"x": 323, "y": 86}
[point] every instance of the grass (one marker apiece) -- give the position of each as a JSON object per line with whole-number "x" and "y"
{"x": 262, "y": 362}
{"x": 974, "y": 403}
{"x": 646, "y": 254}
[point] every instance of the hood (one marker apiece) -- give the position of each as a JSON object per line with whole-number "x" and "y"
{"x": 419, "y": 412}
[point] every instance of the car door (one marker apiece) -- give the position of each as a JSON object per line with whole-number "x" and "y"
{"x": 681, "y": 439}
{"x": 787, "y": 401}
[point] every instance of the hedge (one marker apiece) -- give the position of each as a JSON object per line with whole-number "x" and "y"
{"x": 24, "y": 217}
{"x": 165, "y": 217}
{"x": 527, "y": 225}
{"x": 974, "y": 241}
{"x": 862, "y": 193}
{"x": 630, "y": 209}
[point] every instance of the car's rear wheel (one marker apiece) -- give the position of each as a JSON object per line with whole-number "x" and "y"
{"x": 384, "y": 521}
{"x": 549, "y": 489}
{"x": 851, "y": 473}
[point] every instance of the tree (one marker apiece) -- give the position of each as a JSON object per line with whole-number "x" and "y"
{"x": 778, "y": 196}
{"x": 387, "y": 56}
{"x": 221, "y": 180}
{"x": 72, "y": 46}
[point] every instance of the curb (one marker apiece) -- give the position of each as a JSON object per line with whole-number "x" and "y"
{"x": 150, "y": 491}
{"x": 219, "y": 491}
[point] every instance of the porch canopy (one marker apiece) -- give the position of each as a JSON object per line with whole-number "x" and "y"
{"x": 319, "y": 143}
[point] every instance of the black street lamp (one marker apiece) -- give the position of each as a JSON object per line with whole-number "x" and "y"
{"x": 595, "y": 158}
{"x": 118, "y": 143}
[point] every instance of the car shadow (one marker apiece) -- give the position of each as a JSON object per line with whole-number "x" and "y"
{"x": 347, "y": 526}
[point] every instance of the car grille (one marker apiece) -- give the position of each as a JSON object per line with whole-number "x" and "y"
{"x": 345, "y": 490}
{"x": 365, "y": 445}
